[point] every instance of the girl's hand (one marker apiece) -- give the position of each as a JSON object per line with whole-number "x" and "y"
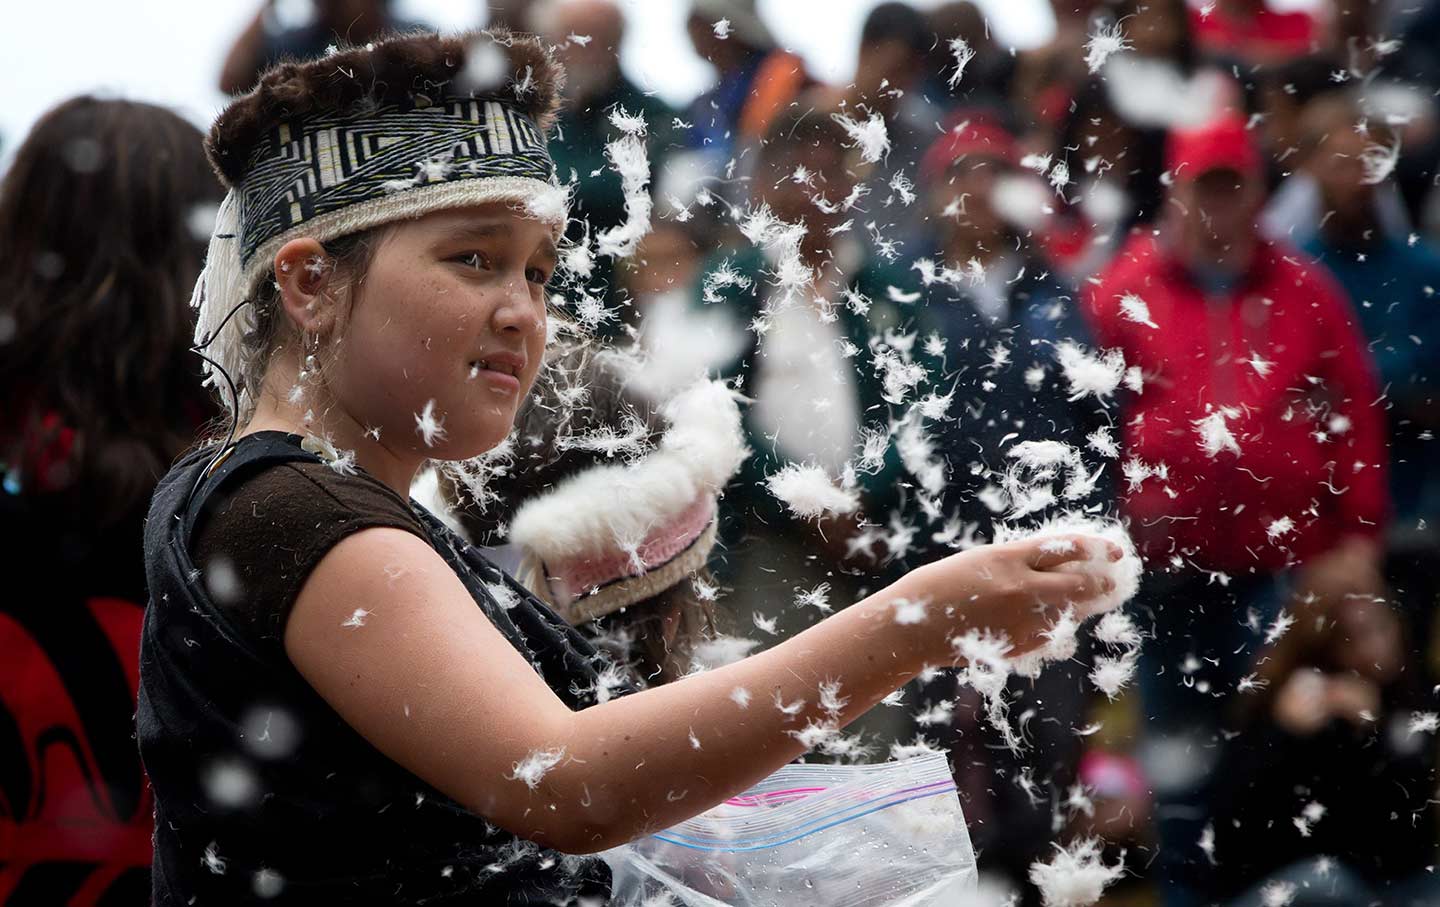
{"x": 1016, "y": 588}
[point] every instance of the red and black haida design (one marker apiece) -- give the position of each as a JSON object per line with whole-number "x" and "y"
{"x": 75, "y": 811}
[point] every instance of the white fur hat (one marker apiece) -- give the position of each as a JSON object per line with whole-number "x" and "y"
{"x": 616, "y": 534}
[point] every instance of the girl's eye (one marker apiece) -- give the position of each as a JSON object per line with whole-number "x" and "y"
{"x": 537, "y": 275}
{"x": 476, "y": 260}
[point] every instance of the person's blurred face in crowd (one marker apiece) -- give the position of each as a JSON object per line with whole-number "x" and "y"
{"x": 722, "y": 52}
{"x": 1368, "y": 640}
{"x": 883, "y": 67}
{"x": 1213, "y": 215}
{"x": 962, "y": 200}
{"x": 1337, "y": 168}
{"x": 825, "y": 174}
{"x": 666, "y": 261}
{"x": 958, "y": 19}
{"x": 1280, "y": 125}
{"x": 1106, "y": 137}
{"x": 593, "y": 66}
{"x": 1157, "y": 28}
{"x": 343, "y": 15}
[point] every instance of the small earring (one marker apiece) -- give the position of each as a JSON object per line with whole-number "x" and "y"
{"x": 310, "y": 345}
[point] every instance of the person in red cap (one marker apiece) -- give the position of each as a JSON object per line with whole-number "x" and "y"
{"x": 1250, "y": 32}
{"x": 1253, "y": 450}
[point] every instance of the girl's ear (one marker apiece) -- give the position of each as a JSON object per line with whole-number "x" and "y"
{"x": 302, "y": 272}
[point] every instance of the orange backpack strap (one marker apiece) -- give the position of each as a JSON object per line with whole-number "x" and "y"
{"x": 778, "y": 81}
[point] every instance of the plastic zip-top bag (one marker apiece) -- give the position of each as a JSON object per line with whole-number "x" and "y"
{"x": 889, "y": 834}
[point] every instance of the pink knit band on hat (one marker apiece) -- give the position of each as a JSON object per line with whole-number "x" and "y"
{"x": 571, "y": 578}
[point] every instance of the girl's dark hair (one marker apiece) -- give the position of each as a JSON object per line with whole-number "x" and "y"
{"x": 103, "y": 225}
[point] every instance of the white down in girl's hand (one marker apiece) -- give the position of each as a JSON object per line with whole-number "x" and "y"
{"x": 1094, "y": 533}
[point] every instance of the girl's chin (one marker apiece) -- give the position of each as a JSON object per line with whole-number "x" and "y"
{"x": 471, "y": 444}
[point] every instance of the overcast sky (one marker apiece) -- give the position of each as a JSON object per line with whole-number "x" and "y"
{"x": 169, "y": 51}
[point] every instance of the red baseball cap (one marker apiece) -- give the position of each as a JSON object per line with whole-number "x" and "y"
{"x": 976, "y": 134}
{"x": 1222, "y": 144}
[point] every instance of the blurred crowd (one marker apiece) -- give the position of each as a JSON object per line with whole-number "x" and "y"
{"x": 1241, "y": 202}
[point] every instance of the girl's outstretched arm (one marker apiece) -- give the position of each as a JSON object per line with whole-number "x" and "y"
{"x": 428, "y": 680}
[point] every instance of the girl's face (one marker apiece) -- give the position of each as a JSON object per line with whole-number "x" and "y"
{"x": 446, "y": 333}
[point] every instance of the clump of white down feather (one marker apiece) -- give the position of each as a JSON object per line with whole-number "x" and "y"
{"x": 809, "y": 492}
{"x": 1059, "y": 641}
{"x": 587, "y": 513}
{"x": 1076, "y": 876}
{"x": 627, "y": 155}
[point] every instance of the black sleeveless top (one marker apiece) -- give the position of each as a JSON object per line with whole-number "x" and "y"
{"x": 263, "y": 794}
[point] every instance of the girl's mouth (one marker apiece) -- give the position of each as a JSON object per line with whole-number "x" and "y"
{"x": 500, "y": 375}
{"x": 483, "y": 365}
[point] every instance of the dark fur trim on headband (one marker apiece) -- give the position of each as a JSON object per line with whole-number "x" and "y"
{"x": 391, "y": 70}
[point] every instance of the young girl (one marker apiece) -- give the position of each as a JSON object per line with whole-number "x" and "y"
{"x": 343, "y": 703}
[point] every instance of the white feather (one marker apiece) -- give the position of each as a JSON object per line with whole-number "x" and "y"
{"x": 1076, "y": 876}
{"x": 868, "y": 135}
{"x": 809, "y": 492}
{"x": 627, "y": 155}
{"x": 1089, "y": 374}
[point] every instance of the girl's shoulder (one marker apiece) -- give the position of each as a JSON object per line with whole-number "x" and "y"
{"x": 261, "y": 531}
{"x": 296, "y": 492}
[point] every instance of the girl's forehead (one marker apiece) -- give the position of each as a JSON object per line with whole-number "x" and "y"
{"x": 495, "y": 220}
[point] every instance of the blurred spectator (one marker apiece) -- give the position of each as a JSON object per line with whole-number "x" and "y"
{"x": 1417, "y": 28}
{"x": 1255, "y": 446}
{"x": 1112, "y": 138}
{"x": 1161, "y": 82}
{"x": 1251, "y": 32}
{"x": 1280, "y": 96}
{"x": 678, "y": 340}
{"x": 1047, "y": 77}
{"x": 103, "y": 217}
{"x": 756, "y": 80}
{"x": 588, "y": 35}
{"x": 1000, "y": 325}
{"x": 1114, "y": 170}
{"x": 516, "y": 15}
{"x": 985, "y": 83}
{"x": 1392, "y": 282}
{"x": 889, "y": 81}
{"x": 1159, "y": 30}
{"x": 268, "y": 40}
{"x": 807, "y": 318}
{"x": 1328, "y": 783}
{"x": 1001, "y": 312}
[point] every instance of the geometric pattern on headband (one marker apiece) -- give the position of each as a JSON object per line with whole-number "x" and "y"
{"x": 331, "y": 161}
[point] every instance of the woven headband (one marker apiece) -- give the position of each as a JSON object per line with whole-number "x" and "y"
{"x": 342, "y": 172}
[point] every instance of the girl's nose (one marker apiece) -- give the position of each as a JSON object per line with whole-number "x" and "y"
{"x": 517, "y": 309}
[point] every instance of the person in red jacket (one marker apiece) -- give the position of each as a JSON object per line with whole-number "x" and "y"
{"x": 1253, "y": 453}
